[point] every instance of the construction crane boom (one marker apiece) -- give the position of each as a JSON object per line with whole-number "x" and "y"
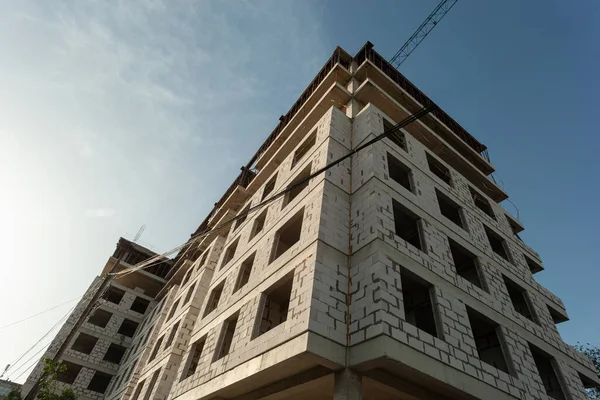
{"x": 422, "y": 31}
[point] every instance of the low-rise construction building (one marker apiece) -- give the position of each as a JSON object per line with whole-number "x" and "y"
{"x": 393, "y": 274}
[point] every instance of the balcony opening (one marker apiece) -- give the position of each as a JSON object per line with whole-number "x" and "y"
{"x": 70, "y": 374}
{"x": 189, "y": 293}
{"x": 172, "y": 335}
{"x": 193, "y": 359}
{"x": 214, "y": 298}
{"x": 588, "y": 384}
{"x": 556, "y": 316}
{"x": 173, "y": 310}
{"x": 304, "y": 148}
{"x": 244, "y": 274}
{"x": 152, "y": 384}
{"x": 227, "y": 334}
{"x": 113, "y": 294}
{"x": 449, "y": 209}
{"x": 400, "y": 172}
{"x": 439, "y": 169}
{"x": 276, "y": 303}
{"x": 519, "y": 298}
{"x": 293, "y": 193}
{"x": 466, "y": 264}
{"x": 156, "y": 348}
{"x": 115, "y": 353}
{"x": 514, "y": 226}
{"x": 287, "y": 235}
{"x": 84, "y": 343}
{"x": 259, "y": 224}
{"x": 496, "y": 243}
{"x": 139, "y": 305}
{"x": 482, "y": 203}
{"x": 99, "y": 382}
{"x": 534, "y": 267}
{"x": 269, "y": 187}
{"x": 186, "y": 277}
{"x": 487, "y": 340}
{"x": 545, "y": 365}
{"x": 397, "y": 137}
{"x": 406, "y": 224}
{"x": 100, "y": 318}
{"x": 138, "y": 390}
{"x": 418, "y": 306}
{"x": 230, "y": 252}
{"x": 128, "y": 327}
{"x": 241, "y": 218}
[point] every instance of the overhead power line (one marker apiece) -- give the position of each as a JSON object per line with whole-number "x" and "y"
{"x": 151, "y": 261}
{"x": 40, "y": 313}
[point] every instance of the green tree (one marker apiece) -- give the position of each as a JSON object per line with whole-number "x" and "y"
{"x": 593, "y": 353}
{"x": 48, "y": 388}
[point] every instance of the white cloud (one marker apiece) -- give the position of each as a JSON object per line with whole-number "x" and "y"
{"x": 100, "y": 212}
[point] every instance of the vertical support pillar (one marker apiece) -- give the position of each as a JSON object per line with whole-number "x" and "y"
{"x": 347, "y": 386}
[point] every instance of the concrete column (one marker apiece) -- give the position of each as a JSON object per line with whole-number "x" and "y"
{"x": 347, "y": 386}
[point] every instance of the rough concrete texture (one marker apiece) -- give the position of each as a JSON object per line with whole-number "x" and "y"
{"x": 371, "y": 281}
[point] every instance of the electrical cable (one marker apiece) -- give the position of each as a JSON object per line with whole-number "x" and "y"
{"x": 40, "y": 313}
{"x": 29, "y": 359}
{"x": 12, "y": 365}
{"x": 410, "y": 119}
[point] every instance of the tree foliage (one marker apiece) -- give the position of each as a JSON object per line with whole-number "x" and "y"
{"x": 48, "y": 388}
{"x": 593, "y": 353}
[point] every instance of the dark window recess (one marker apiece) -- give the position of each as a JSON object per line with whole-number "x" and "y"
{"x": 287, "y": 235}
{"x": 194, "y": 358}
{"x": 190, "y": 291}
{"x": 449, "y": 208}
{"x": 172, "y": 335}
{"x": 156, "y": 348}
{"x": 113, "y": 295}
{"x": 128, "y": 327}
{"x": 138, "y": 390}
{"x": 399, "y": 172}
{"x": 70, "y": 374}
{"x": 259, "y": 224}
{"x": 173, "y": 309}
{"x": 214, "y": 298}
{"x": 588, "y": 383}
{"x": 439, "y": 169}
{"x": 100, "y": 318}
{"x": 487, "y": 340}
{"x": 84, "y": 343}
{"x": 230, "y": 252}
{"x": 556, "y": 316}
{"x": 519, "y": 299}
{"x": 186, "y": 277}
{"x": 482, "y": 203}
{"x": 545, "y": 367}
{"x": 497, "y": 243}
{"x": 466, "y": 263}
{"x": 418, "y": 307}
{"x": 114, "y": 354}
{"x": 293, "y": 193}
{"x": 276, "y": 305}
{"x": 152, "y": 384}
{"x": 140, "y": 305}
{"x": 99, "y": 382}
{"x": 204, "y": 256}
{"x": 227, "y": 336}
{"x": 269, "y": 187}
{"x": 241, "y": 217}
{"x": 397, "y": 137}
{"x": 514, "y": 226}
{"x": 245, "y": 271}
{"x": 533, "y": 266}
{"x": 304, "y": 148}
{"x": 406, "y": 224}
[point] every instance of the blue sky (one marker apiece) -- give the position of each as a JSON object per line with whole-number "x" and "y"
{"x": 129, "y": 113}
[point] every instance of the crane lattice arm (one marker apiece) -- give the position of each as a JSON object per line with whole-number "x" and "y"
{"x": 422, "y": 31}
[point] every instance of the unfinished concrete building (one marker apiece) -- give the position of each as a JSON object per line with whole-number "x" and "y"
{"x": 393, "y": 275}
